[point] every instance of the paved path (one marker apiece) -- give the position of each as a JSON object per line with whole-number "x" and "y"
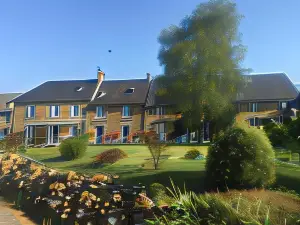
{"x": 9, "y": 216}
{"x": 6, "y": 215}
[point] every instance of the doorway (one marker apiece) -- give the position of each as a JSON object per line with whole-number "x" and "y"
{"x": 125, "y": 133}
{"x": 53, "y": 134}
{"x": 99, "y": 134}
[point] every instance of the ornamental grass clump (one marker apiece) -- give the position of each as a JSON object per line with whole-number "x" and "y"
{"x": 241, "y": 157}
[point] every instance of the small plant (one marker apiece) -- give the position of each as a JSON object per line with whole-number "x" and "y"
{"x": 73, "y": 148}
{"x": 192, "y": 154}
{"x": 22, "y": 149}
{"x": 110, "y": 156}
{"x": 155, "y": 146}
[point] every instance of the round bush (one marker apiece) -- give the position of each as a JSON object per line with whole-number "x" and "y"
{"x": 240, "y": 157}
{"x": 192, "y": 154}
{"x": 110, "y": 156}
{"x": 73, "y": 148}
{"x": 157, "y": 189}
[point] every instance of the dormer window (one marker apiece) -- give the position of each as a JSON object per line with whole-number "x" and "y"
{"x": 78, "y": 89}
{"x": 129, "y": 91}
{"x": 101, "y": 94}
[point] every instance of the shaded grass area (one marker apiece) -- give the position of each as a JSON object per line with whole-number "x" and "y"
{"x": 138, "y": 167}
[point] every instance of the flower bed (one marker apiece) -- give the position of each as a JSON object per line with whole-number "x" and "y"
{"x": 47, "y": 195}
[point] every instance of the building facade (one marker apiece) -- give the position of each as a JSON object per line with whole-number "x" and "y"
{"x": 116, "y": 111}
{"x": 265, "y": 97}
{"x": 6, "y": 112}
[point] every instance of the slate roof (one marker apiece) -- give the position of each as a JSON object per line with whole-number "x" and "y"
{"x": 153, "y": 99}
{"x": 265, "y": 87}
{"x": 59, "y": 91}
{"x": 115, "y": 89}
{"x": 5, "y": 98}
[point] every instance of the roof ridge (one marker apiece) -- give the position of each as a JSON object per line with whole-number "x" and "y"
{"x": 265, "y": 73}
{"x": 69, "y": 80}
{"x": 126, "y": 79}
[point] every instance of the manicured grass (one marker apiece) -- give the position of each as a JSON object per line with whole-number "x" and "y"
{"x": 130, "y": 170}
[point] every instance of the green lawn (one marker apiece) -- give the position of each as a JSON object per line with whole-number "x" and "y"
{"x": 190, "y": 172}
{"x": 182, "y": 171}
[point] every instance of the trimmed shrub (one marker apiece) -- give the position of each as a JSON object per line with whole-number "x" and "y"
{"x": 192, "y": 154}
{"x": 240, "y": 157}
{"x": 157, "y": 189}
{"x": 73, "y": 148}
{"x": 110, "y": 156}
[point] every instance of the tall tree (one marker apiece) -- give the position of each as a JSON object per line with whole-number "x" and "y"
{"x": 202, "y": 62}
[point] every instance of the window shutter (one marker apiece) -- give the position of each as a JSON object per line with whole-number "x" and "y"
{"x": 26, "y": 112}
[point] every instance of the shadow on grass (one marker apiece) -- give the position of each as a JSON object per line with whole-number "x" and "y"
{"x": 193, "y": 180}
{"x": 54, "y": 159}
{"x": 289, "y": 182}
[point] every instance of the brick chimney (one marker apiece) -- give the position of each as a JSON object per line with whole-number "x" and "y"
{"x": 148, "y": 77}
{"x": 100, "y": 75}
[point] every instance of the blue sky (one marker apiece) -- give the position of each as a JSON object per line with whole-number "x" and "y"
{"x": 54, "y": 39}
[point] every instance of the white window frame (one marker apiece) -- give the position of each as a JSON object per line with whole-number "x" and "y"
{"x": 103, "y": 112}
{"x": 28, "y": 112}
{"x": 52, "y": 111}
{"x": 73, "y": 111}
{"x": 281, "y": 105}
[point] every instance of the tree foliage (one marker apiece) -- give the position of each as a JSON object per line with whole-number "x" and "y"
{"x": 202, "y": 62}
{"x": 155, "y": 146}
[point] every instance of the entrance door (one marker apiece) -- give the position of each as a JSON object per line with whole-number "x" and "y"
{"x": 53, "y": 134}
{"x": 125, "y": 133}
{"x": 99, "y": 134}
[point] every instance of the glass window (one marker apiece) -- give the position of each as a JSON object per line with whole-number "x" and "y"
{"x": 252, "y": 122}
{"x": 126, "y": 110}
{"x": 100, "y": 111}
{"x": 7, "y": 117}
{"x": 150, "y": 112}
{"x": 74, "y": 110}
{"x": 253, "y": 107}
{"x": 54, "y": 111}
{"x": 283, "y": 105}
{"x": 30, "y": 111}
